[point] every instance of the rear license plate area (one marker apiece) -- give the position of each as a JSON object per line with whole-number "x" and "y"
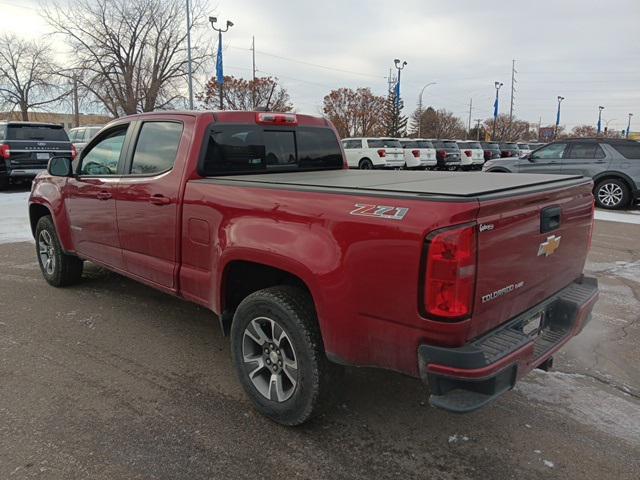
{"x": 42, "y": 156}
{"x": 531, "y": 326}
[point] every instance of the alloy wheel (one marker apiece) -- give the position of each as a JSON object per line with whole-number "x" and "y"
{"x": 270, "y": 359}
{"x": 610, "y": 194}
{"x": 46, "y": 251}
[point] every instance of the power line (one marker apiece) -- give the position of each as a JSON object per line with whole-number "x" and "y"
{"x": 317, "y": 65}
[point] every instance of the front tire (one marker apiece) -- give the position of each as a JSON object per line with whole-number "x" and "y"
{"x": 4, "y": 181}
{"x": 279, "y": 356}
{"x": 612, "y": 194}
{"x": 58, "y": 268}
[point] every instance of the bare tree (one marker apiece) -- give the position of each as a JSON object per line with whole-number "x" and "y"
{"x": 131, "y": 55}
{"x": 239, "y": 94}
{"x": 510, "y": 129}
{"x": 27, "y": 75}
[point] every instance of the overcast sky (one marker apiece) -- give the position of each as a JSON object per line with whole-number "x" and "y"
{"x": 587, "y": 51}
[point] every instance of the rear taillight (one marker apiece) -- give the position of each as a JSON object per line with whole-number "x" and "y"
{"x": 5, "y": 152}
{"x": 74, "y": 152}
{"x": 450, "y": 276}
{"x": 276, "y": 118}
{"x": 416, "y": 153}
{"x": 468, "y": 153}
{"x": 441, "y": 153}
{"x": 382, "y": 153}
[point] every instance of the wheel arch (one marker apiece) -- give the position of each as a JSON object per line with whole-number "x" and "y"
{"x": 613, "y": 174}
{"x": 241, "y": 278}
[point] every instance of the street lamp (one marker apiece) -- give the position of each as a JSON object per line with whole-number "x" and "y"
{"x": 220, "y": 31}
{"x": 555, "y": 134}
{"x": 600, "y": 108}
{"x": 420, "y": 107}
{"x": 628, "y": 125}
{"x": 495, "y": 109}
{"x": 399, "y": 66}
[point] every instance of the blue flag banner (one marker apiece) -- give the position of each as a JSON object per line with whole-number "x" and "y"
{"x": 219, "y": 72}
{"x": 495, "y": 108}
{"x": 558, "y": 116}
{"x": 599, "y": 125}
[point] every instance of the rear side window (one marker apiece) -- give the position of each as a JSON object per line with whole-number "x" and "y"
{"x": 383, "y": 143}
{"x": 156, "y": 148}
{"x": 235, "y": 149}
{"x": 585, "y": 151}
{"x": 628, "y": 150}
{"x": 352, "y": 144}
{"x": 36, "y": 133}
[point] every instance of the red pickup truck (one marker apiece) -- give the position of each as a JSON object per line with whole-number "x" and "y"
{"x": 465, "y": 280}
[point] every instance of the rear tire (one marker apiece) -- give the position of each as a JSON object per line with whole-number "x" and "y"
{"x": 58, "y": 268}
{"x": 365, "y": 164}
{"x": 4, "y": 181}
{"x": 279, "y": 356}
{"x": 612, "y": 194}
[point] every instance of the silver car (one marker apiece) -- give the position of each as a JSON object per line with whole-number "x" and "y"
{"x": 614, "y": 165}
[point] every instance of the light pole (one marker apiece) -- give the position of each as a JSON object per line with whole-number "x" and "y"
{"x": 189, "y": 72}
{"x": 420, "y": 107}
{"x": 399, "y": 66}
{"x": 555, "y": 133}
{"x": 495, "y": 109}
{"x": 628, "y": 125}
{"x": 478, "y": 120}
{"x": 600, "y": 108}
{"x": 219, "y": 73}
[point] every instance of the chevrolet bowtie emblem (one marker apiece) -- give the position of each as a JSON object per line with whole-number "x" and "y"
{"x": 549, "y": 246}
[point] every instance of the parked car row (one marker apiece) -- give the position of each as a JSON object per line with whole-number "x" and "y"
{"x": 426, "y": 154}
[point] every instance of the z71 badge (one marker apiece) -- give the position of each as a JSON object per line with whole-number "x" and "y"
{"x": 380, "y": 211}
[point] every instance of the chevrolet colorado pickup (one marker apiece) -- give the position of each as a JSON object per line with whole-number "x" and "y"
{"x": 466, "y": 281}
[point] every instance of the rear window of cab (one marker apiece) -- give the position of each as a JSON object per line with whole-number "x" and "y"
{"x": 238, "y": 149}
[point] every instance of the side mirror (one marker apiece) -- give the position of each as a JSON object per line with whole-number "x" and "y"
{"x": 60, "y": 167}
{"x": 529, "y": 156}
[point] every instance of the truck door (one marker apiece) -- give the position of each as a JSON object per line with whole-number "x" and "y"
{"x": 90, "y": 199}
{"x": 147, "y": 200}
{"x": 544, "y": 160}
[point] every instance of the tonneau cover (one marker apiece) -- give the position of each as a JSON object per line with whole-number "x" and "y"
{"x": 447, "y": 184}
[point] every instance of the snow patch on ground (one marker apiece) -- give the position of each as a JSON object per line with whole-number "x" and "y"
{"x": 14, "y": 218}
{"x": 622, "y": 217}
{"x": 455, "y": 438}
{"x": 585, "y": 403}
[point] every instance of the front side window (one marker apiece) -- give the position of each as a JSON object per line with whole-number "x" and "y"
{"x": 156, "y": 148}
{"x": 104, "y": 156}
{"x": 555, "y": 150}
{"x": 353, "y": 144}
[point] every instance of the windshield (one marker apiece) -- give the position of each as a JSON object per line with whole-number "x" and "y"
{"x": 52, "y": 133}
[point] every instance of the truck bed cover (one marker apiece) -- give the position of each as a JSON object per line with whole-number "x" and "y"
{"x": 453, "y": 185}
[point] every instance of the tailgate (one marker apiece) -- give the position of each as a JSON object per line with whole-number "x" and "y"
{"x": 519, "y": 265}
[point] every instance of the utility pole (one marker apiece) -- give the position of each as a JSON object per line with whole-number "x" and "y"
{"x": 253, "y": 60}
{"x": 189, "y": 72}
{"x": 513, "y": 88}
{"x": 478, "y": 120}
{"x": 466, "y": 135}
{"x": 76, "y": 108}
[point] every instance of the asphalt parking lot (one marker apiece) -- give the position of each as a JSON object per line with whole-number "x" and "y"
{"x": 112, "y": 380}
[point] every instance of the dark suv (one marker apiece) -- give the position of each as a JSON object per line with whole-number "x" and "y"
{"x": 614, "y": 165}
{"x": 26, "y": 147}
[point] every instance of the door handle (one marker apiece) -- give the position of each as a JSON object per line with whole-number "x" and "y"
{"x": 159, "y": 199}
{"x": 103, "y": 195}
